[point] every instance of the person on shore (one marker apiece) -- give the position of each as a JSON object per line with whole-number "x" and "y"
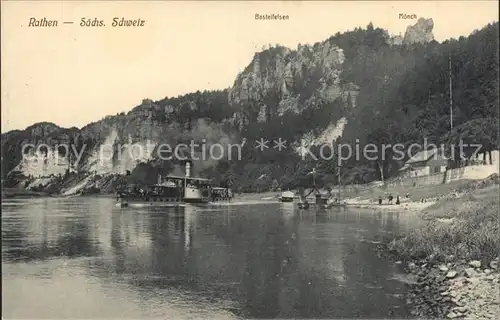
{"x": 379, "y": 199}
{"x": 397, "y": 200}
{"x": 390, "y": 198}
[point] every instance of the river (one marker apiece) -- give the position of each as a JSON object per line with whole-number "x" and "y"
{"x": 86, "y": 258}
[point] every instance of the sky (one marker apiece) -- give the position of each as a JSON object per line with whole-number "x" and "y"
{"x": 73, "y": 75}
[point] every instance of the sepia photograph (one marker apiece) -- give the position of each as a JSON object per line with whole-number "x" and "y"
{"x": 250, "y": 159}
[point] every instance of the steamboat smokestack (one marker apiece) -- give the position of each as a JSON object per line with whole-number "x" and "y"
{"x": 188, "y": 168}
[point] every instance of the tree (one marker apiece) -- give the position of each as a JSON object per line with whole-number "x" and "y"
{"x": 477, "y": 136}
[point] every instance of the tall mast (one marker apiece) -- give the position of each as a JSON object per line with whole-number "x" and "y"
{"x": 451, "y": 95}
{"x": 450, "y": 160}
{"x": 314, "y": 178}
{"x": 69, "y": 154}
{"x": 340, "y": 186}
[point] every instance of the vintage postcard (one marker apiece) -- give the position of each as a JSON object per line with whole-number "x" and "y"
{"x": 250, "y": 159}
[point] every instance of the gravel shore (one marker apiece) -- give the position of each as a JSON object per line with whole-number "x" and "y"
{"x": 453, "y": 257}
{"x": 455, "y": 290}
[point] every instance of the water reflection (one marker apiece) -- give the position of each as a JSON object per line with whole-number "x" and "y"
{"x": 261, "y": 261}
{"x": 45, "y": 232}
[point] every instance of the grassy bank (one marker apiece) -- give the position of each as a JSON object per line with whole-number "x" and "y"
{"x": 453, "y": 256}
{"x": 8, "y": 193}
{"x": 465, "y": 228}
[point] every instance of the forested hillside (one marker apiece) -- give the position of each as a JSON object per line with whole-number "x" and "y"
{"x": 403, "y": 98}
{"x": 386, "y": 93}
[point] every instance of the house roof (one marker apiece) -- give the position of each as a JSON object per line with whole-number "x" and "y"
{"x": 422, "y": 156}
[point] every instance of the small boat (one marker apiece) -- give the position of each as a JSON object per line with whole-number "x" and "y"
{"x": 337, "y": 204}
{"x": 287, "y": 196}
{"x": 321, "y": 200}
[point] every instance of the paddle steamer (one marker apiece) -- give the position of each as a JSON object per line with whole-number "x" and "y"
{"x": 175, "y": 191}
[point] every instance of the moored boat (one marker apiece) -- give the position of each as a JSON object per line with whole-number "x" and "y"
{"x": 287, "y": 196}
{"x": 221, "y": 194}
{"x": 174, "y": 191}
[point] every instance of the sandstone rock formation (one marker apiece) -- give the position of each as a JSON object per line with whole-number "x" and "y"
{"x": 280, "y": 80}
{"x": 421, "y": 32}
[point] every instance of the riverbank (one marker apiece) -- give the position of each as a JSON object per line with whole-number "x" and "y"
{"x": 403, "y": 206}
{"x": 454, "y": 257}
{"x": 10, "y": 193}
{"x": 352, "y": 203}
{"x": 263, "y": 196}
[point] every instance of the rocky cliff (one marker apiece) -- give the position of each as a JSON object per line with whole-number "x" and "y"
{"x": 45, "y": 155}
{"x": 281, "y": 80}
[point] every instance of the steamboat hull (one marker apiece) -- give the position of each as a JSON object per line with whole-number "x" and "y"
{"x": 159, "y": 201}
{"x": 166, "y": 202}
